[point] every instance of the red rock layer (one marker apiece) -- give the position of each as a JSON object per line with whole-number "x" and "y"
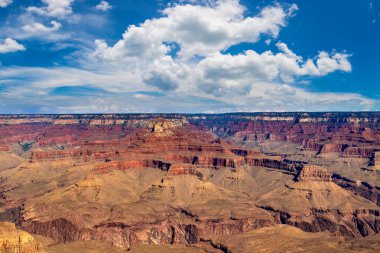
{"x": 184, "y": 170}
{"x": 349, "y": 137}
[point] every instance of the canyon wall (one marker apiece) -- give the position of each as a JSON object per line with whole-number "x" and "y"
{"x": 183, "y": 179}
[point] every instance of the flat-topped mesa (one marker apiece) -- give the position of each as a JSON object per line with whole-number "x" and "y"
{"x": 314, "y": 173}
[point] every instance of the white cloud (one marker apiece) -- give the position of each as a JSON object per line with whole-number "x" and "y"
{"x": 221, "y": 74}
{"x": 182, "y": 56}
{"x": 199, "y": 2}
{"x": 284, "y": 48}
{"x": 327, "y": 64}
{"x": 35, "y": 28}
{"x": 121, "y": 86}
{"x": 5, "y": 3}
{"x": 112, "y": 80}
{"x": 292, "y": 9}
{"x": 208, "y": 30}
{"x": 198, "y": 29}
{"x": 103, "y": 6}
{"x": 264, "y": 96}
{"x": 202, "y": 68}
{"x": 53, "y": 8}
{"x": 76, "y": 30}
{"x": 10, "y": 45}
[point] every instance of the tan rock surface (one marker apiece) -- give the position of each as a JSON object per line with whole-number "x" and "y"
{"x": 14, "y": 240}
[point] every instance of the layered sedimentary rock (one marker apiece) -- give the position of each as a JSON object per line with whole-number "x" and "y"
{"x": 314, "y": 173}
{"x": 327, "y": 206}
{"x": 359, "y": 188}
{"x": 188, "y": 179}
{"x": 173, "y": 158}
{"x": 348, "y": 135}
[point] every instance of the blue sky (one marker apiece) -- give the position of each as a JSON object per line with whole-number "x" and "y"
{"x": 120, "y": 56}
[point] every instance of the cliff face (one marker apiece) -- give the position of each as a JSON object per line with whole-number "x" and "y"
{"x": 348, "y": 135}
{"x": 354, "y": 135}
{"x": 184, "y": 179}
{"x": 18, "y": 241}
{"x": 349, "y": 225}
{"x": 375, "y": 161}
{"x": 314, "y": 173}
{"x": 165, "y": 232}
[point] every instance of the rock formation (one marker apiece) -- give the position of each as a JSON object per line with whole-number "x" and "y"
{"x": 189, "y": 179}
{"x": 314, "y": 173}
{"x": 17, "y": 241}
{"x": 375, "y": 160}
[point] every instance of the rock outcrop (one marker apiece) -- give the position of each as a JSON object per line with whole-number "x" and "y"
{"x": 314, "y": 173}
{"x": 14, "y": 240}
{"x": 375, "y": 161}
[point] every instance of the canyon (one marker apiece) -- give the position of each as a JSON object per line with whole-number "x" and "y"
{"x": 190, "y": 182}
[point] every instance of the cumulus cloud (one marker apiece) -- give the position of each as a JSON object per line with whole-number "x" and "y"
{"x": 203, "y": 31}
{"x": 5, "y": 3}
{"x": 198, "y": 29}
{"x": 53, "y": 8}
{"x": 103, "y": 6}
{"x": 284, "y": 48}
{"x": 184, "y": 56}
{"x": 207, "y": 31}
{"x": 221, "y": 74}
{"x": 41, "y": 28}
{"x": 10, "y": 45}
{"x": 327, "y": 64}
